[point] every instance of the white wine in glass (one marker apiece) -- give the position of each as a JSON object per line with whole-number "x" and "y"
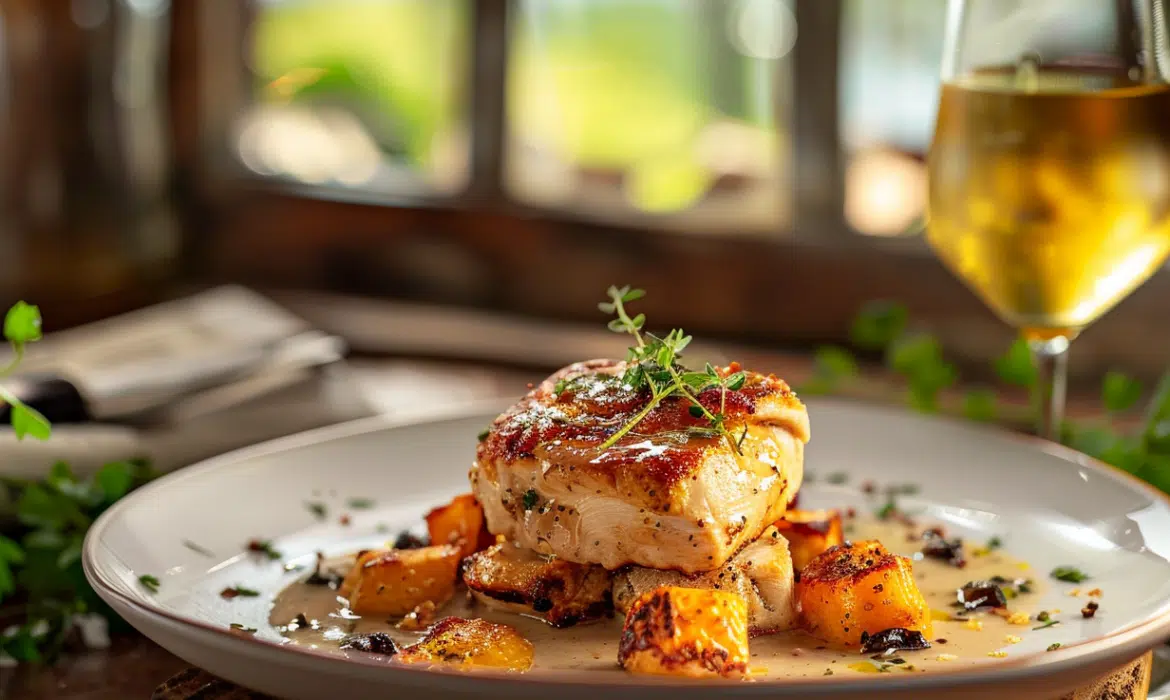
{"x": 1050, "y": 165}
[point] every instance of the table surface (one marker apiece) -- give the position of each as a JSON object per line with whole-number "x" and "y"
{"x": 133, "y": 666}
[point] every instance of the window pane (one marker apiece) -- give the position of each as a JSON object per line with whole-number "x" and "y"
{"x": 890, "y": 56}
{"x": 365, "y": 94}
{"x": 675, "y": 110}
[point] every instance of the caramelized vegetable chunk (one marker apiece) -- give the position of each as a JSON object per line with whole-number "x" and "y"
{"x": 461, "y": 523}
{"x": 810, "y": 532}
{"x": 456, "y": 641}
{"x": 860, "y": 587}
{"x": 686, "y": 632}
{"x": 394, "y": 581}
{"x": 507, "y": 577}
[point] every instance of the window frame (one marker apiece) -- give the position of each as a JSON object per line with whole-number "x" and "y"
{"x": 795, "y": 289}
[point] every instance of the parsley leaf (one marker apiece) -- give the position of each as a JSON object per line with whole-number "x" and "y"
{"x": 317, "y": 508}
{"x": 22, "y": 323}
{"x": 1119, "y": 392}
{"x": 878, "y": 324}
{"x": 530, "y": 499}
{"x": 1015, "y": 366}
{"x": 979, "y": 405}
{"x": 1069, "y": 574}
{"x": 150, "y": 583}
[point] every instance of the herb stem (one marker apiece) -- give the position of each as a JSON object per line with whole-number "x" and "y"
{"x": 17, "y": 357}
{"x": 622, "y": 431}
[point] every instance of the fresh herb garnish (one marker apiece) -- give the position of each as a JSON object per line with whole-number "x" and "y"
{"x": 654, "y": 364}
{"x": 264, "y": 547}
{"x": 1043, "y": 616}
{"x": 150, "y": 583}
{"x": 837, "y": 478}
{"x": 197, "y": 549}
{"x": 994, "y": 543}
{"x": 1069, "y": 574}
{"x": 237, "y": 592}
{"x": 1046, "y": 625}
{"x": 1053, "y": 646}
{"x": 22, "y": 325}
{"x": 530, "y": 499}
{"x": 482, "y": 435}
{"x": 241, "y": 628}
{"x": 360, "y": 503}
{"x": 317, "y": 508}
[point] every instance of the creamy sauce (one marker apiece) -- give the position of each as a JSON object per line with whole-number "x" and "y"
{"x": 593, "y": 646}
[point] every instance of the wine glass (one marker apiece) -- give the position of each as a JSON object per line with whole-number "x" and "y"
{"x": 1050, "y": 165}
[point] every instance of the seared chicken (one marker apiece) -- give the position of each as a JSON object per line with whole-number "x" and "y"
{"x": 761, "y": 573}
{"x": 667, "y": 495}
{"x": 506, "y": 577}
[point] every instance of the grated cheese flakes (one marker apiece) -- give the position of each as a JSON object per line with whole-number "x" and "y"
{"x": 1019, "y": 618}
{"x": 1013, "y": 639}
{"x": 998, "y": 654}
{"x": 946, "y": 657}
{"x": 973, "y": 624}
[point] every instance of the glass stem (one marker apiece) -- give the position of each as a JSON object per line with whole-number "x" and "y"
{"x": 1051, "y": 358}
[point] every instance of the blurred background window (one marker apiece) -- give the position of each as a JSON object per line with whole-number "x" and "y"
{"x": 362, "y": 94}
{"x": 672, "y": 109}
{"x": 890, "y": 55}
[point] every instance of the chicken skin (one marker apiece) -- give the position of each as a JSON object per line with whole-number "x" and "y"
{"x": 670, "y": 494}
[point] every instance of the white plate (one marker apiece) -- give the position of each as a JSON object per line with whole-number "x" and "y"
{"x": 1051, "y": 505}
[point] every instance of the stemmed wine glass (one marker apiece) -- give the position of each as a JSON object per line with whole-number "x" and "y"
{"x": 1050, "y": 165}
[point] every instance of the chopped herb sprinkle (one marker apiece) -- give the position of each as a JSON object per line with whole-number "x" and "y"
{"x": 360, "y": 503}
{"x": 318, "y": 509}
{"x": 530, "y": 499}
{"x": 197, "y": 549}
{"x": 1050, "y": 623}
{"x": 1069, "y": 574}
{"x": 264, "y": 547}
{"x": 150, "y": 583}
{"x": 238, "y": 591}
{"x": 1053, "y": 646}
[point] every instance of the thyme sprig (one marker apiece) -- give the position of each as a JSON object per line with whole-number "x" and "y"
{"x": 654, "y": 364}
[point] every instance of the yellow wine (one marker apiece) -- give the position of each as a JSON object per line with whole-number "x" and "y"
{"x": 1050, "y": 191}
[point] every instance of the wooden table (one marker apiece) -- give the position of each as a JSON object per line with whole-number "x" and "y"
{"x": 134, "y": 667}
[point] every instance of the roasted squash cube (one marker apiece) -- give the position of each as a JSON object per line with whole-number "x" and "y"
{"x": 860, "y": 587}
{"x": 686, "y": 632}
{"x": 456, "y": 641}
{"x": 810, "y": 532}
{"x": 393, "y": 582}
{"x": 460, "y": 522}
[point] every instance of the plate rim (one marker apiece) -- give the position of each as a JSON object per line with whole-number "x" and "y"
{"x": 1133, "y": 639}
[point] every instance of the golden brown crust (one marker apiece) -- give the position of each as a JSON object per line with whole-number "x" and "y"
{"x": 395, "y": 581}
{"x": 569, "y": 427}
{"x": 560, "y": 591}
{"x": 686, "y": 632}
{"x": 860, "y": 587}
{"x": 456, "y": 641}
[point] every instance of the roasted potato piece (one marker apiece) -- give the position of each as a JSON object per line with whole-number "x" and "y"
{"x": 686, "y": 632}
{"x": 507, "y": 577}
{"x": 810, "y": 532}
{"x": 456, "y": 641}
{"x": 394, "y": 581}
{"x": 860, "y": 587}
{"x": 460, "y": 522}
{"x": 761, "y": 573}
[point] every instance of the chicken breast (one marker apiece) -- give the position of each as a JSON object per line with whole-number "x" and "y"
{"x": 761, "y": 573}
{"x": 667, "y": 495}
{"x": 506, "y": 577}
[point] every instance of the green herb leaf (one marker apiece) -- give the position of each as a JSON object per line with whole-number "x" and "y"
{"x": 1043, "y": 616}
{"x": 22, "y": 323}
{"x": 28, "y": 421}
{"x": 1119, "y": 392}
{"x": 1015, "y": 366}
{"x": 696, "y": 411}
{"x": 979, "y": 405}
{"x": 115, "y": 480}
{"x": 530, "y": 499}
{"x": 994, "y": 543}
{"x": 238, "y": 591}
{"x": 736, "y": 381}
{"x": 1053, "y": 646}
{"x": 482, "y": 435}
{"x": 317, "y": 508}
{"x": 360, "y": 503}
{"x": 150, "y": 583}
{"x": 1046, "y": 625}
{"x": 10, "y": 551}
{"x": 837, "y": 478}
{"x": 1069, "y": 574}
{"x": 878, "y": 324}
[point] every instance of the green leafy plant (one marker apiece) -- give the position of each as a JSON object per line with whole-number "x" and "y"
{"x": 43, "y": 590}
{"x": 918, "y": 359}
